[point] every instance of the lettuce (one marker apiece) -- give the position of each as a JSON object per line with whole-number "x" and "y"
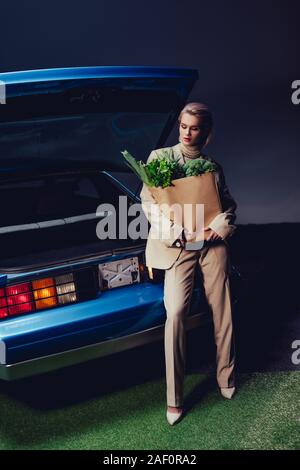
{"x": 163, "y": 169}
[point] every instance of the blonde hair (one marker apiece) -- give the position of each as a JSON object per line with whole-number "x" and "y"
{"x": 202, "y": 111}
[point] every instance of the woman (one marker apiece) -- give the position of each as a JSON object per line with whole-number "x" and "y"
{"x": 169, "y": 253}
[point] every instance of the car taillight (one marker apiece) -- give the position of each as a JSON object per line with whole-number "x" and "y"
{"x": 65, "y": 287}
{"x": 19, "y": 299}
{"x": 46, "y": 293}
{"x": 18, "y": 289}
{"x": 3, "y": 304}
{"x": 21, "y": 308}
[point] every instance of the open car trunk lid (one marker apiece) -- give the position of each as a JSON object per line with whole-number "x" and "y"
{"x": 82, "y": 118}
{"x": 60, "y": 131}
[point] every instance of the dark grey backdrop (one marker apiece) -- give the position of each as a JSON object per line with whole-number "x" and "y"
{"x": 247, "y": 54}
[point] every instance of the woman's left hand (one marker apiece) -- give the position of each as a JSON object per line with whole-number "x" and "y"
{"x": 212, "y": 235}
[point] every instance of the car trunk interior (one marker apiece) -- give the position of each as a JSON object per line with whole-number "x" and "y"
{"x": 51, "y": 218}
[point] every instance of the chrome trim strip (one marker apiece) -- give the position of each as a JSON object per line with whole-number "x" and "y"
{"x": 75, "y": 356}
{"x": 52, "y": 223}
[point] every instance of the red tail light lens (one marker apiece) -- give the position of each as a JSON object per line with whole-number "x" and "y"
{"x": 3, "y": 303}
{"x": 49, "y": 292}
{"x": 21, "y": 308}
{"x": 18, "y": 289}
{"x": 3, "y": 313}
{"x": 19, "y": 299}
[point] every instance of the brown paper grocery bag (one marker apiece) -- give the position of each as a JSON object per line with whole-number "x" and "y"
{"x": 200, "y": 189}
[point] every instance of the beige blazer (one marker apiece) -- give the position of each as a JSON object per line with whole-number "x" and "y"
{"x": 160, "y": 253}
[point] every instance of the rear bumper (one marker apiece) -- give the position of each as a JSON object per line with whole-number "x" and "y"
{"x": 52, "y": 362}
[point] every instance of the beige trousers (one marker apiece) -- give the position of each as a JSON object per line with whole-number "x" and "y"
{"x": 214, "y": 261}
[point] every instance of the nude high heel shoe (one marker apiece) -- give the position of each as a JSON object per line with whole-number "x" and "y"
{"x": 227, "y": 392}
{"x": 174, "y": 417}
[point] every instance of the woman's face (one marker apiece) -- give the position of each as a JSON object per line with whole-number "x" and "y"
{"x": 190, "y": 129}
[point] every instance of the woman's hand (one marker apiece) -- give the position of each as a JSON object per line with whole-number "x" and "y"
{"x": 212, "y": 235}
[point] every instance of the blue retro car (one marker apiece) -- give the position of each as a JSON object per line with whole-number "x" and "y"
{"x": 67, "y": 296}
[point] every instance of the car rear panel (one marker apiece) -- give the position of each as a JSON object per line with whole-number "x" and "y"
{"x": 112, "y": 314}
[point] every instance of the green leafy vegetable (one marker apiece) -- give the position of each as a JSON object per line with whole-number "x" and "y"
{"x": 198, "y": 166}
{"x": 162, "y": 170}
{"x": 137, "y": 166}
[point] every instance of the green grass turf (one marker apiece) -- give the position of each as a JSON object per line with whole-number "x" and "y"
{"x": 263, "y": 415}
